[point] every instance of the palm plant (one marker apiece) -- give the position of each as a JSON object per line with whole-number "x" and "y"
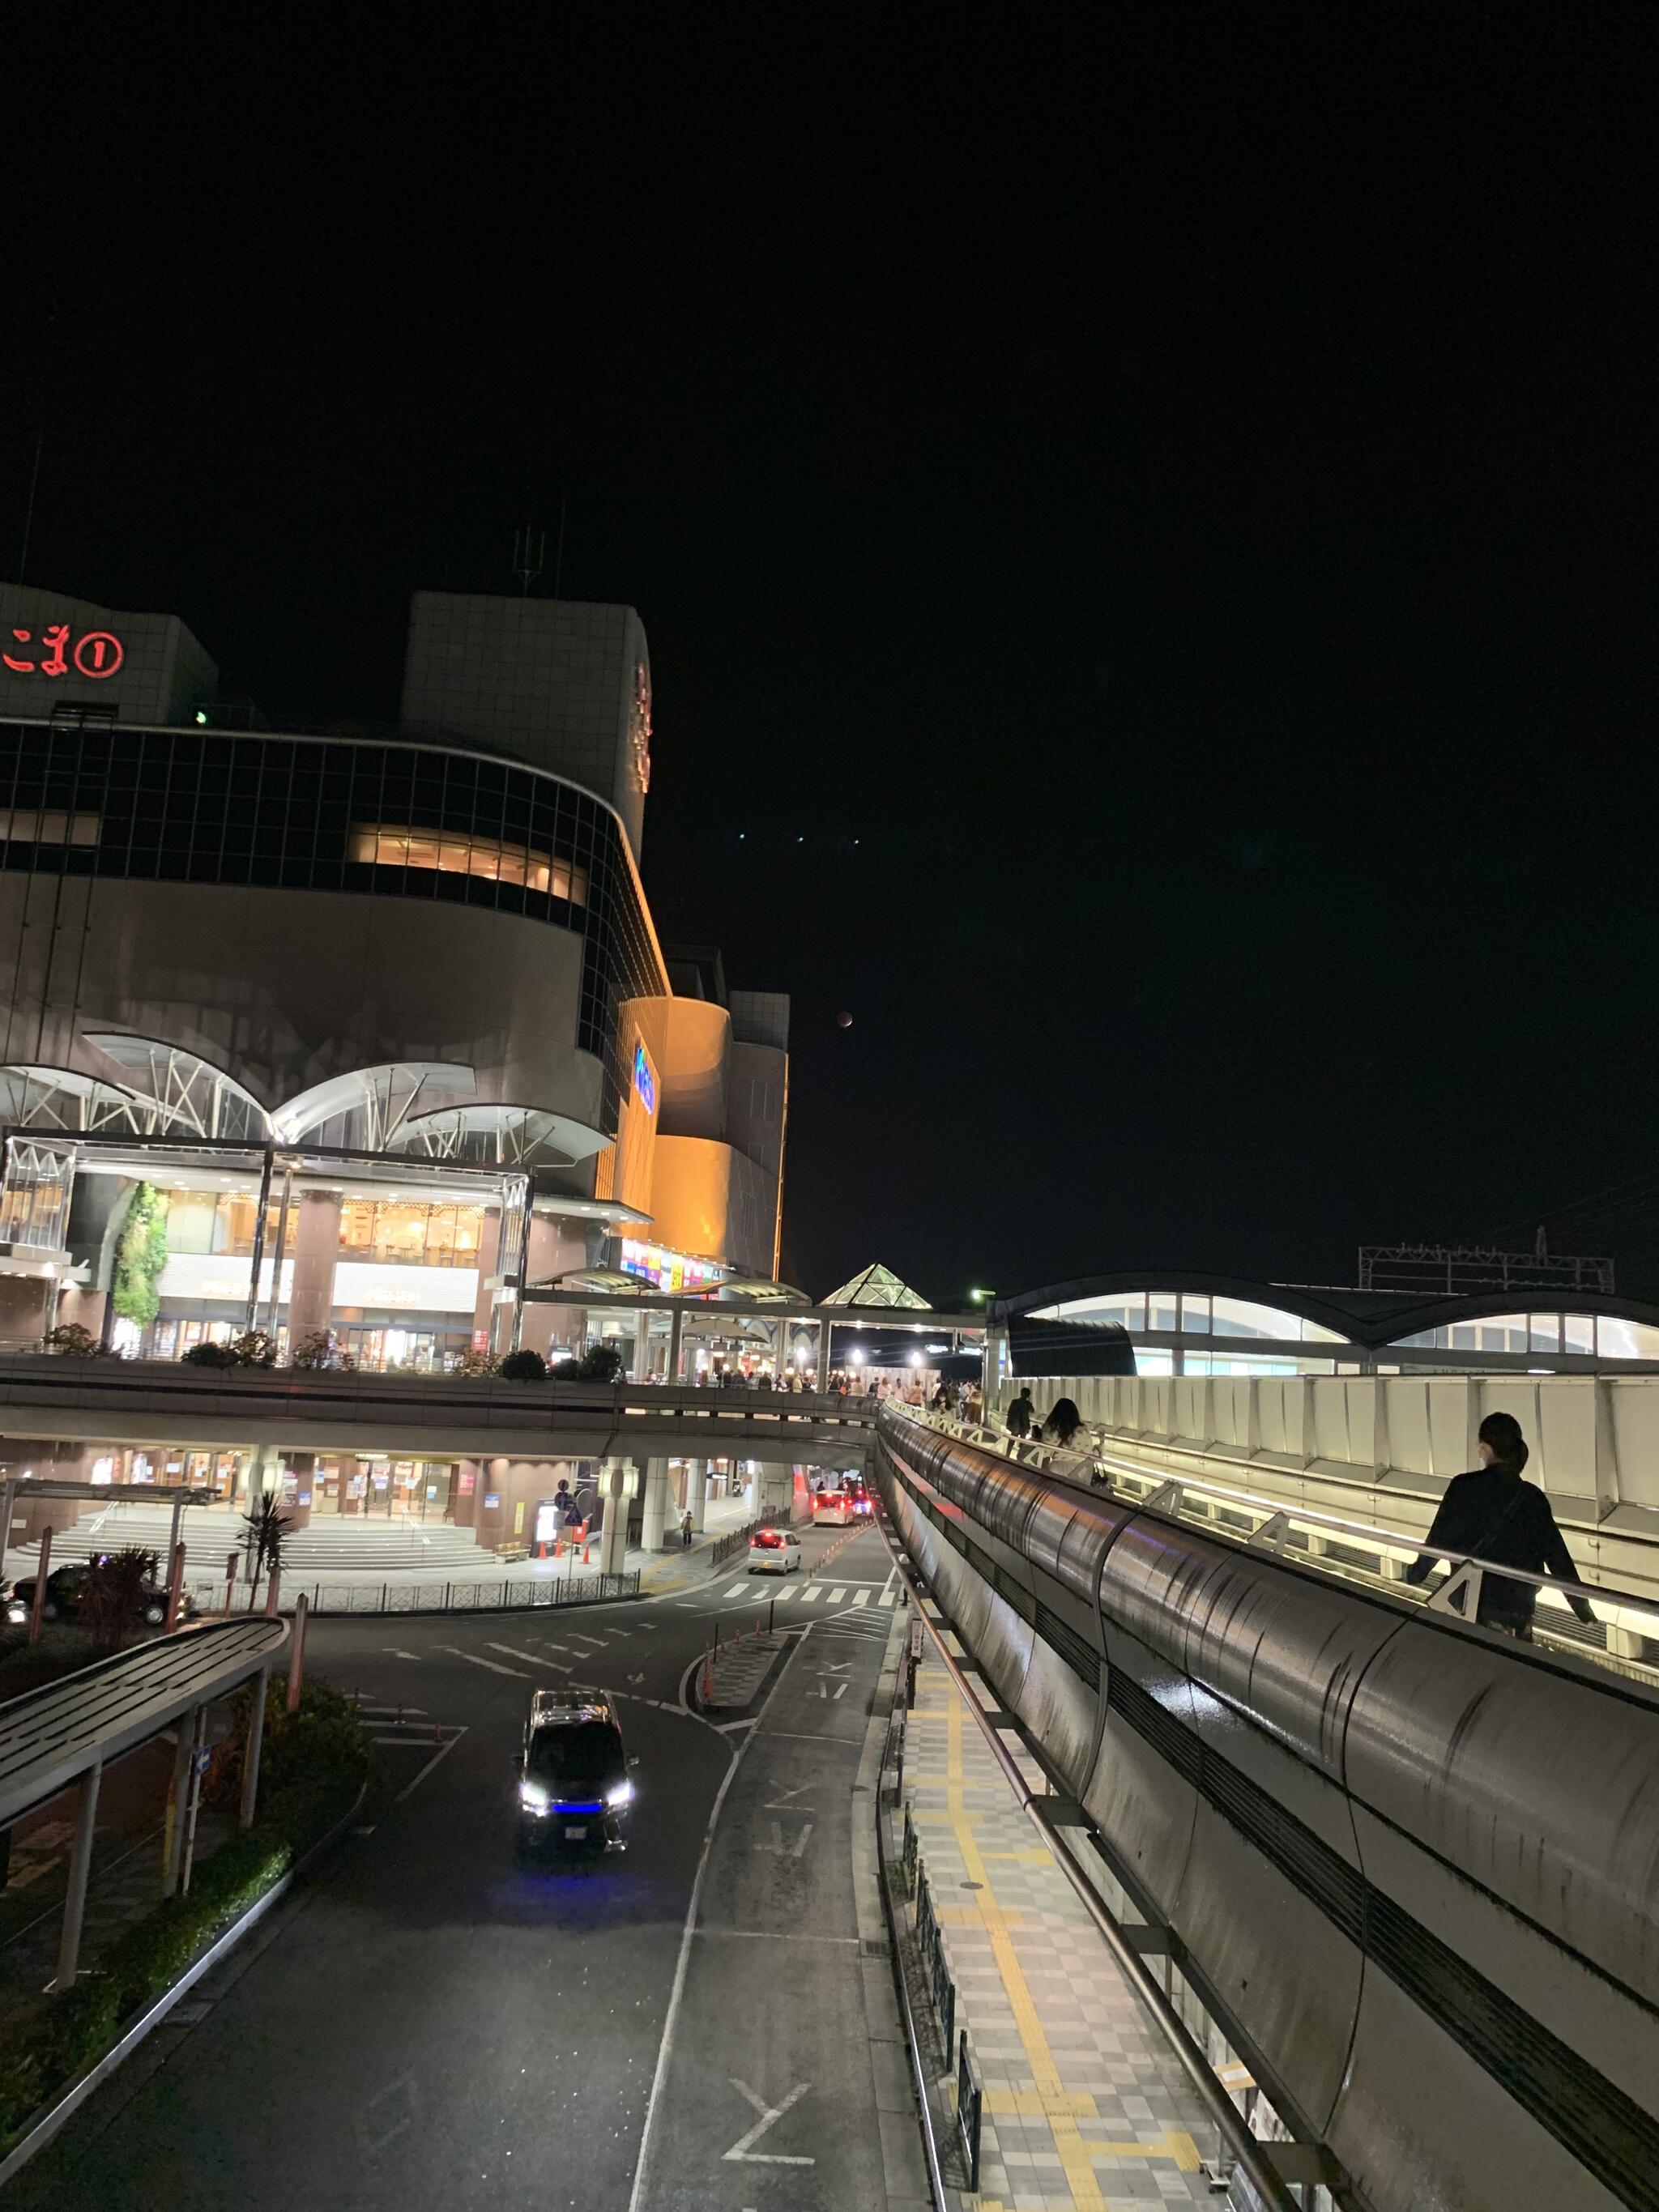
{"x": 267, "y": 1526}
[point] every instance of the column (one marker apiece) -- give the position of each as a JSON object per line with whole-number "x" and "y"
{"x": 613, "y": 1537}
{"x": 674, "y": 1329}
{"x": 316, "y": 1249}
{"x": 696, "y": 1490}
{"x": 641, "y": 1348}
{"x": 656, "y": 1505}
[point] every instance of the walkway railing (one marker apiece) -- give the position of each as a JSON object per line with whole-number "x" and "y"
{"x": 496, "y": 1596}
{"x": 1624, "y": 1637}
{"x": 727, "y": 1547}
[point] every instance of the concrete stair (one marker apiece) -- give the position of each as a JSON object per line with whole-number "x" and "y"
{"x": 363, "y": 1546}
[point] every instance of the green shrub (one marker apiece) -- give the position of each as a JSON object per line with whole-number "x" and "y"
{"x": 522, "y": 1366}
{"x": 314, "y": 1763}
{"x": 600, "y": 1362}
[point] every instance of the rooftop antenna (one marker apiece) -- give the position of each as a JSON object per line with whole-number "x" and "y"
{"x": 29, "y": 512}
{"x": 529, "y": 555}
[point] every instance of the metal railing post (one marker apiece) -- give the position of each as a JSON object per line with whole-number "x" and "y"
{"x": 256, "y": 1737}
{"x": 75, "y": 1905}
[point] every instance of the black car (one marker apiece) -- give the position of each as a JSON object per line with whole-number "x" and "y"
{"x": 573, "y": 1784}
{"x": 66, "y": 1595}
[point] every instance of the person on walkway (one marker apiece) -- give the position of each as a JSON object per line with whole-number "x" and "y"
{"x": 1020, "y": 1410}
{"x": 1063, "y": 1424}
{"x": 686, "y": 1530}
{"x": 1490, "y": 1514}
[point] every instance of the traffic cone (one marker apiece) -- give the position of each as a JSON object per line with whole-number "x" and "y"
{"x": 588, "y": 1552}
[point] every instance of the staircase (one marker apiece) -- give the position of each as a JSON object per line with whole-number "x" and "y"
{"x": 350, "y": 1545}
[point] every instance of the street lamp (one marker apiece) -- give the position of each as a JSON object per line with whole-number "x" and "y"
{"x": 979, "y": 1297}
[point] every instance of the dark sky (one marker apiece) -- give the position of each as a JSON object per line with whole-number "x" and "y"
{"x": 1144, "y": 520}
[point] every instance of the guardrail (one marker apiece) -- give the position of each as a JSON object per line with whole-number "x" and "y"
{"x": 387, "y": 1597}
{"x": 1624, "y": 1637}
{"x": 725, "y": 1547}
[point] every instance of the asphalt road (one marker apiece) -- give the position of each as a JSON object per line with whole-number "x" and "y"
{"x": 430, "y": 2021}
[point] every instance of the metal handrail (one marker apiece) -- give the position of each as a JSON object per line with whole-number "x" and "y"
{"x": 1250, "y": 2153}
{"x": 912, "y": 2036}
{"x": 1385, "y": 1539}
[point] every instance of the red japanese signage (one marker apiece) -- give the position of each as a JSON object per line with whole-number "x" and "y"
{"x": 96, "y": 654}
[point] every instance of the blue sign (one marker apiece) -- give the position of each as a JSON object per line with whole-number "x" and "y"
{"x": 644, "y": 1081}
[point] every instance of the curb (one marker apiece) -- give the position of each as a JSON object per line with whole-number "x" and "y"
{"x": 40, "y": 2130}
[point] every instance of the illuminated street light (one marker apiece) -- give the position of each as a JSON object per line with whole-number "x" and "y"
{"x": 980, "y": 1296}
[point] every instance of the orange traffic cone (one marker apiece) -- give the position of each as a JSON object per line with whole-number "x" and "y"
{"x": 587, "y": 1550}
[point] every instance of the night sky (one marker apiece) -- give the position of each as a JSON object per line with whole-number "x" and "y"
{"x": 1144, "y": 520}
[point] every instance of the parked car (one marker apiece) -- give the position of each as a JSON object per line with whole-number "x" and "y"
{"x": 66, "y": 1595}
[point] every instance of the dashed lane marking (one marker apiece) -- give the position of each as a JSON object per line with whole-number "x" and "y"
{"x": 472, "y": 1659}
{"x": 535, "y": 1658}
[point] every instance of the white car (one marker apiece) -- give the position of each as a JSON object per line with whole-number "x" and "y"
{"x": 774, "y": 1551}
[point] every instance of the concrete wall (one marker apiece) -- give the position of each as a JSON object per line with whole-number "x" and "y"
{"x": 560, "y": 683}
{"x": 162, "y": 677}
{"x": 284, "y": 988}
{"x": 1394, "y": 1441}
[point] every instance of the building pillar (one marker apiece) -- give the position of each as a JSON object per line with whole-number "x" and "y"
{"x": 643, "y": 1347}
{"x": 489, "y": 1245}
{"x": 656, "y": 1505}
{"x": 696, "y": 1491}
{"x": 674, "y": 1330}
{"x": 613, "y": 1537}
{"x": 316, "y": 1250}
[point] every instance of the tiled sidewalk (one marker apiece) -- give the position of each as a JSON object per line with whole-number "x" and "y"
{"x": 1085, "y": 2109}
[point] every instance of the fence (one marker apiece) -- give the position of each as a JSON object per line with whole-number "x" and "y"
{"x": 492, "y": 1596}
{"x": 720, "y": 1551}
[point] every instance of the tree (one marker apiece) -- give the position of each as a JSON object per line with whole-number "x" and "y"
{"x": 267, "y": 1526}
{"x": 600, "y": 1362}
{"x": 140, "y": 1257}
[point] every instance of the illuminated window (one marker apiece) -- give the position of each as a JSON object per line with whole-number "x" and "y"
{"x": 1625, "y": 1340}
{"x": 410, "y": 1236}
{"x": 50, "y": 826}
{"x": 496, "y": 859}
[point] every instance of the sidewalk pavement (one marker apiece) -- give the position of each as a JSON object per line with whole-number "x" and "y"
{"x": 1086, "y": 2109}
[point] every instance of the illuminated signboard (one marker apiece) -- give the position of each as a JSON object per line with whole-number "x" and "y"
{"x": 96, "y": 654}
{"x": 668, "y": 1270}
{"x": 644, "y": 1082}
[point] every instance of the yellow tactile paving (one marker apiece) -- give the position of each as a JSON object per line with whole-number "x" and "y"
{"x": 1046, "y": 2108}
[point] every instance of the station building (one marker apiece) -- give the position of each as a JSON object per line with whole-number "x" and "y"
{"x": 373, "y": 1029}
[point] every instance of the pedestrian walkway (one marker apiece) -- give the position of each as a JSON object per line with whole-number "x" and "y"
{"x": 1085, "y": 2109}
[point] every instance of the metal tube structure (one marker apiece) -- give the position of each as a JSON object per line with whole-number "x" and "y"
{"x": 42, "y": 1569}
{"x": 192, "y": 1799}
{"x": 265, "y": 1174}
{"x": 75, "y": 1903}
{"x": 8, "y": 1494}
{"x": 1249, "y": 2154}
{"x": 281, "y": 1239}
{"x": 256, "y": 1737}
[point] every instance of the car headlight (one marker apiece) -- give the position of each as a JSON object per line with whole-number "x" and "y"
{"x": 16, "y": 1613}
{"x": 532, "y": 1796}
{"x": 619, "y": 1793}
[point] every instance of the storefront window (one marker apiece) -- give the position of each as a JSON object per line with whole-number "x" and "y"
{"x": 410, "y": 1236}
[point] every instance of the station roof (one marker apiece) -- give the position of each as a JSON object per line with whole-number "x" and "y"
{"x": 1369, "y": 1318}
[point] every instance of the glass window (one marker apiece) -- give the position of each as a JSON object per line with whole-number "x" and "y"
{"x": 493, "y": 859}
{"x": 1625, "y": 1340}
{"x": 1578, "y": 1333}
{"x": 33, "y": 825}
{"x": 1194, "y": 1315}
{"x": 1545, "y": 1331}
{"x": 191, "y": 1217}
{"x": 1245, "y": 1317}
{"x": 1161, "y": 1311}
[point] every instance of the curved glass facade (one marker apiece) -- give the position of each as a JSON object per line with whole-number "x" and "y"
{"x": 206, "y": 806}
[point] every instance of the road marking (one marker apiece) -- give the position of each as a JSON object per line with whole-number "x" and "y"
{"x": 665, "y": 2049}
{"x": 812, "y": 1591}
{"x": 887, "y": 1597}
{"x": 834, "y": 1594}
{"x": 769, "y": 2115}
{"x": 823, "y": 1736}
{"x": 517, "y": 1672}
{"x": 397, "y": 1654}
{"x": 432, "y": 1762}
{"x": 776, "y": 1846}
{"x": 823, "y": 1691}
{"x": 861, "y": 1597}
{"x": 393, "y": 2118}
{"x": 534, "y": 1657}
{"x": 835, "y": 1665}
{"x": 783, "y": 1805}
{"x": 773, "y": 1935}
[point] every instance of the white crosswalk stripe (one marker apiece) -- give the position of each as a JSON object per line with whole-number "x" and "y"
{"x": 861, "y": 1597}
{"x": 811, "y": 1593}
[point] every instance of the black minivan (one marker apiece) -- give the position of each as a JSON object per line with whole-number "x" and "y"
{"x": 574, "y": 1786}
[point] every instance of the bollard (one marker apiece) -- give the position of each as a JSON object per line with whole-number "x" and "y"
{"x": 39, "y": 1598}
{"x": 175, "y": 1589}
{"x": 230, "y": 1579}
{"x": 297, "y": 1667}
